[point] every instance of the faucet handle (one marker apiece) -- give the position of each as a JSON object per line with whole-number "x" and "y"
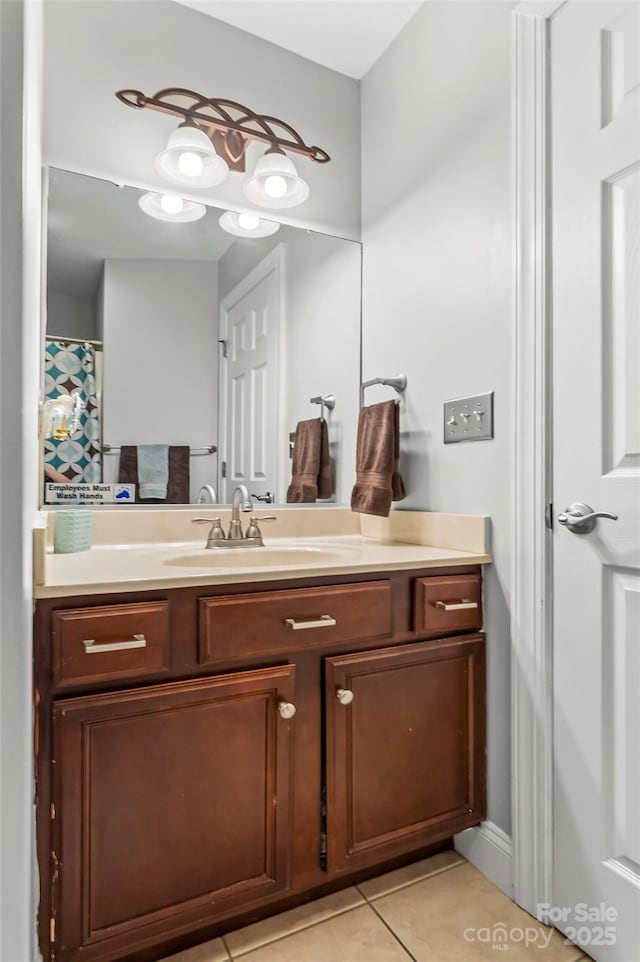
{"x": 253, "y": 531}
{"x": 216, "y": 533}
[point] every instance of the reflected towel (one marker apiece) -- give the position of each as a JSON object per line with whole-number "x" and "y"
{"x": 378, "y": 481}
{"x": 179, "y": 481}
{"x": 311, "y": 472}
{"x": 153, "y": 470}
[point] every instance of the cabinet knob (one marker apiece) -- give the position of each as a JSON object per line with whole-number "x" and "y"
{"x": 286, "y": 709}
{"x": 344, "y": 696}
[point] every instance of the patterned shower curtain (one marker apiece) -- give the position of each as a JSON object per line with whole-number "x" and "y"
{"x": 70, "y": 365}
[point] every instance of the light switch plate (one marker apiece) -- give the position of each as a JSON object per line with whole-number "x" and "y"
{"x": 469, "y": 418}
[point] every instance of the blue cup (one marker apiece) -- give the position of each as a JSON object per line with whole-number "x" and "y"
{"x": 72, "y": 531}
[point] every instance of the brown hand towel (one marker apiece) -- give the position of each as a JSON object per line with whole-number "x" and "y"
{"x": 326, "y": 473}
{"x": 178, "y": 486}
{"x": 311, "y": 474}
{"x": 378, "y": 481}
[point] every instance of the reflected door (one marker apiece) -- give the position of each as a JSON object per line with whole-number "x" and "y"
{"x": 250, "y": 326}
{"x": 596, "y": 351}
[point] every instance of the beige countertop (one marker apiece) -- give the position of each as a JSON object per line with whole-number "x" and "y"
{"x": 312, "y": 543}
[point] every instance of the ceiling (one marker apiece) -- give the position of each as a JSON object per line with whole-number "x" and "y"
{"x": 345, "y": 35}
{"x": 91, "y": 220}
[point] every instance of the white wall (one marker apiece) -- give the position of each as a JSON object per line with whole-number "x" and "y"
{"x": 322, "y": 333}
{"x": 20, "y": 192}
{"x": 160, "y": 330}
{"x": 323, "y": 343}
{"x": 70, "y": 315}
{"x": 93, "y": 49}
{"x": 436, "y": 204}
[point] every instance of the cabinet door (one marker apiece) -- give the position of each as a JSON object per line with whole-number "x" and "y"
{"x": 406, "y": 755}
{"x": 172, "y": 808}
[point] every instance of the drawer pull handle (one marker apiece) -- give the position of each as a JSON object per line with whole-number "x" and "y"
{"x": 93, "y": 648}
{"x": 324, "y": 621}
{"x": 344, "y": 696}
{"x": 456, "y": 605}
{"x": 287, "y": 709}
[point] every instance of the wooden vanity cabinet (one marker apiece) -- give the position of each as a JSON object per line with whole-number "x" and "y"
{"x": 405, "y": 748}
{"x": 179, "y": 797}
{"x": 173, "y": 803}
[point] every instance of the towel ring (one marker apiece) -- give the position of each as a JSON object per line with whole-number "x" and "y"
{"x": 327, "y": 401}
{"x": 398, "y": 383}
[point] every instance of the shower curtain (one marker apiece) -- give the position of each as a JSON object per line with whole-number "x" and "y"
{"x": 70, "y": 365}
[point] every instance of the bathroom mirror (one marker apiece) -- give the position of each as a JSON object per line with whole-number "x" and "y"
{"x": 184, "y": 335}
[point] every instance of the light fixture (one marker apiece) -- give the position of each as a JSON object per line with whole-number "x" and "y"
{"x": 247, "y": 225}
{"x": 170, "y": 207}
{"x": 275, "y": 182}
{"x": 190, "y": 159}
{"x": 213, "y": 139}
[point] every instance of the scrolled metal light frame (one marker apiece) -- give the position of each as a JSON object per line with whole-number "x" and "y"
{"x": 227, "y": 123}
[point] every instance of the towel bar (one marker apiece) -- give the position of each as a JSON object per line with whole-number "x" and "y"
{"x": 398, "y": 383}
{"x": 194, "y": 452}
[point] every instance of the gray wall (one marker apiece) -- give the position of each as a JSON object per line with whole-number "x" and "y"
{"x": 436, "y": 205}
{"x": 160, "y": 385}
{"x": 69, "y": 315}
{"x": 93, "y": 49}
{"x": 323, "y": 343}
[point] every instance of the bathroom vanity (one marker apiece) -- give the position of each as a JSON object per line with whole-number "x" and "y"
{"x": 212, "y": 751}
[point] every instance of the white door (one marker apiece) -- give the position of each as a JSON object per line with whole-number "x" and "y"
{"x": 249, "y": 429}
{"x": 596, "y": 360}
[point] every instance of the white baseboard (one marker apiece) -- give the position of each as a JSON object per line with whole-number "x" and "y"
{"x": 489, "y": 849}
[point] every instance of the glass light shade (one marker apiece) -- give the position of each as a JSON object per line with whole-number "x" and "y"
{"x": 164, "y": 207}
{"x": 190, "y": 159}
{"x": 275, "y": 183}
{"x": 238, "y": 224}
{"x": 190, "y": 163}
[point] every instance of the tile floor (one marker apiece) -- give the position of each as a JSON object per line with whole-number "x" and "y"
{"x": 438, "y": 910}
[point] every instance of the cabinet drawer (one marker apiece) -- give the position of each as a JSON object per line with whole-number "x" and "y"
{"x": 448, "y": 604}
{"x": 110, "y": 642}
{"x": 274, "y": 621}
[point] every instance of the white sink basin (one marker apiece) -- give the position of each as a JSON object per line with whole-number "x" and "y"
{"x": 265, "y": 557}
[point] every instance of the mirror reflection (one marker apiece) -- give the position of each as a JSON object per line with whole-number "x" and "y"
{"x": 197, "y": 352}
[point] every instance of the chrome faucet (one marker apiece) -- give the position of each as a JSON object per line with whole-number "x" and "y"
{"x": 235, "y": 538}
{"x": 206, "y": 494}
{"x": 241, "y": 499}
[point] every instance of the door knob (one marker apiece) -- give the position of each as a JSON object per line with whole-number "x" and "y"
{"x": 286, "y": 709}
{"x": 344, "y": 696}
{"x": 580, "y": 518}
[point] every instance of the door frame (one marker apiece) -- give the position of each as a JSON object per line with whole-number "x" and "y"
{"x": 532, "y": 544}
{"x": 274, "y": 261}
